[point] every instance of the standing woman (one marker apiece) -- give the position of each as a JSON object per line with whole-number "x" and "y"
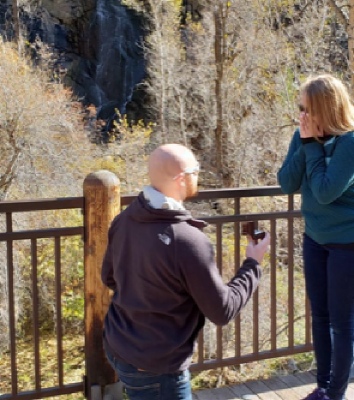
{"x": 320, "y": 162}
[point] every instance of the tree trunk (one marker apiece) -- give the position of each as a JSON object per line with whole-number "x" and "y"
{"x": 218, "y": 88}
{"x": 16, "y": 20}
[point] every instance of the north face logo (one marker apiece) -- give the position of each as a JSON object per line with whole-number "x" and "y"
{"x": 164, "y": 238}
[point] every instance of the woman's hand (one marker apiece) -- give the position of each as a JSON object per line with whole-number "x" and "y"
{"x": 309, "y": 127}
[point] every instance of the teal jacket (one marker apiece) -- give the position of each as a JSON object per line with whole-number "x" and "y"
{"x": 325, "y": 175}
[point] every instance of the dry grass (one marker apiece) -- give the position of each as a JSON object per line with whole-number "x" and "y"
{"x": 74, "y": 366}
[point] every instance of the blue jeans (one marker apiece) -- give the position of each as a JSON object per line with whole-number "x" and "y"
{"x": 329, "y": 277}
{"x": 144, "y": 385}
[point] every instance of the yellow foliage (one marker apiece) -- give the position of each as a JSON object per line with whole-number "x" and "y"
{"x": 41, "y": 125}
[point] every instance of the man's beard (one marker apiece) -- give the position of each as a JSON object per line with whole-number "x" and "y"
{"x": 191, "y": 189}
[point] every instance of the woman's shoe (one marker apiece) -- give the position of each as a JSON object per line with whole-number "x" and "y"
{"x": 317, "y": 394}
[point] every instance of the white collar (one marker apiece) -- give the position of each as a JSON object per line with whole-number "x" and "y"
{"x": 157, "y": 199}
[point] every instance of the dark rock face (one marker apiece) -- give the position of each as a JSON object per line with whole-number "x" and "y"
{"x": 98, "y": 43}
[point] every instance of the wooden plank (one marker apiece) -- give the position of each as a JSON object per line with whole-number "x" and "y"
{"x": 241, "y": 391}
{"x": 262, "y": 390}
{"x": 203, "y": 394}
{"x": 299, "y": 387}
{"x": 223, "y": 393}
{"x": 307, "y": 377}
{"x": 281, "y": 389}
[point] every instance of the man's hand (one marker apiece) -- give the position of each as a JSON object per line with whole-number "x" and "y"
{"x": 258, "y": 250}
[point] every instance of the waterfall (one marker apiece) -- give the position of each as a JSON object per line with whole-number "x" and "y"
{"x": 114, "y": 62}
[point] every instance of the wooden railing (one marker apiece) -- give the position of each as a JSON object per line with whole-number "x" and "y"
{"x": 276, "y": 323}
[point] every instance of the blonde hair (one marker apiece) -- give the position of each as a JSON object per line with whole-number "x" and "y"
{"x": 329, "y": 100}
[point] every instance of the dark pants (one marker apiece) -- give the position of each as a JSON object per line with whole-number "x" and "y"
{"x": 144, "y": 385}
{"x": 329, "y": 277}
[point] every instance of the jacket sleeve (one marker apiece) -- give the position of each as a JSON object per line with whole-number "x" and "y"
{"x": 329, "y": 182}
{"x": 291, "y": 173}
{"x": 219, "y": 302}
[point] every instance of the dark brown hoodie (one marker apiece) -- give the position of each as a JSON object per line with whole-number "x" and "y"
{"x": 162, "y": 270}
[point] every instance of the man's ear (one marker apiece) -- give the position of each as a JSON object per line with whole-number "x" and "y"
{"x": 181, "y": 180}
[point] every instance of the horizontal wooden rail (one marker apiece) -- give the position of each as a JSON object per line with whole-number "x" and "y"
{"x": 41, "y": 204}
{"x": 42, "y": 233}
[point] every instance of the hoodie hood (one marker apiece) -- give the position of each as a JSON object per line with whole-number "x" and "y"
{"x": 143, "y": 212}
{"x": 158, "y": 200}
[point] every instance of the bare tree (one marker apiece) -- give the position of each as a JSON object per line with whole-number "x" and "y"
{"x": 16, "y": 20}
{"x": 226, "y": 82}
{"x": 41, "y": 134}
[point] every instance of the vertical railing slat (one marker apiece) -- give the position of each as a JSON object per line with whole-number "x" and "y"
{"x": 201, "y": 347}
{"x": 291, "y": 274}
{"x": 219, "y": 350}
{"x": 11, "y": 300}
{"x": 237, "y": 260}
{"x": 58, "y": 305}
{"x": 35, "y": 313}
{"x": 273, "y": 286}
{"x": 255, "y": 310}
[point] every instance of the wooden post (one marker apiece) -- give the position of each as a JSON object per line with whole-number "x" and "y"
{"x": 102, "y": 204}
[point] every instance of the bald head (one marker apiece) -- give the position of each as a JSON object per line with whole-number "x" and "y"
{"x": 166, "y": 162}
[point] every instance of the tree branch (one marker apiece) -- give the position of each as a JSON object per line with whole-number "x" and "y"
{"x": 340, "y": 14}
{"x": 8, "y": 176}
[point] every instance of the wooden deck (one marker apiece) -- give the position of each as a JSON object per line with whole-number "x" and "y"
{"x": 287, "y": 387}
